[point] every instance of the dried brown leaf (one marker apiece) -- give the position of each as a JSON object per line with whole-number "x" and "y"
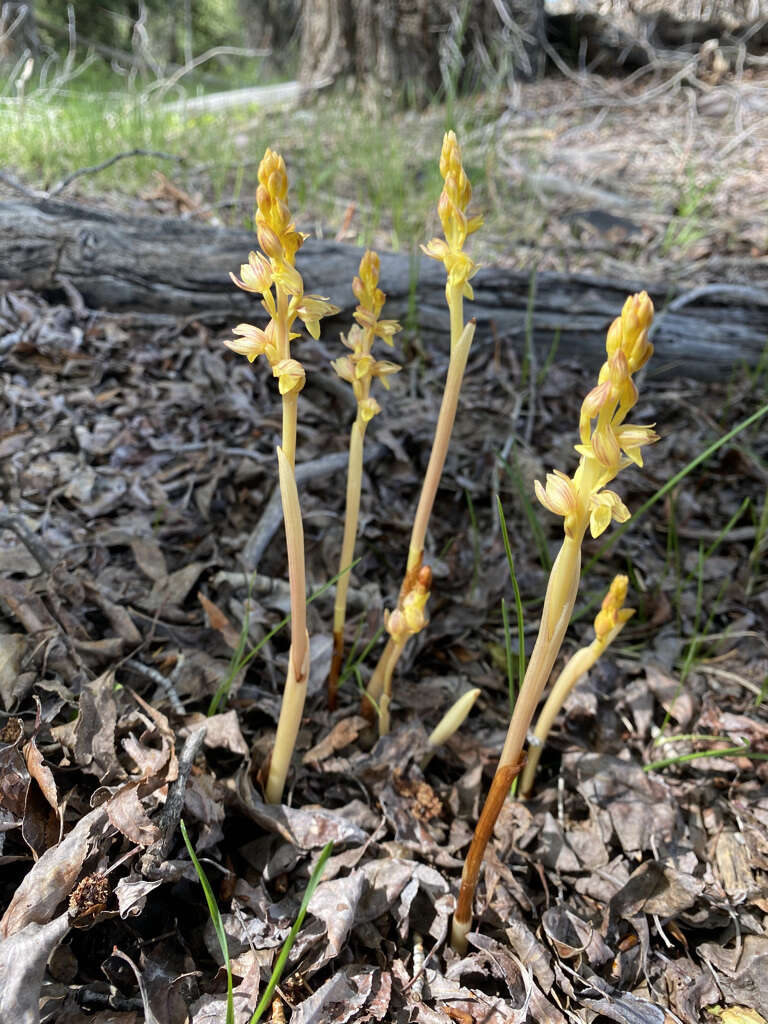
{"x": 218, "y": 620}
{"x": 52, "y": 878}
{"x": 14, "y": 685}
{"x": 23, "y": 956}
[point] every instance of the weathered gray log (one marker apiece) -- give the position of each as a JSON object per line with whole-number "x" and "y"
{"x": 180, "y": 268}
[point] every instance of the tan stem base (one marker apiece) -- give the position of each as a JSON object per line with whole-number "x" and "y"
{"x": 288, "y": 724}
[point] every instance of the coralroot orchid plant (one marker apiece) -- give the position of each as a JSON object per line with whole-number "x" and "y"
{"x": 272, "y": 274}
{"x": 409, "y": 616}
{"x": 359, "y": 368}
{"x": 584, "y": 503}
{"x": 607, "y": 445}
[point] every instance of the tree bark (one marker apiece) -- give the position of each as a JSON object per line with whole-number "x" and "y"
{"x": 168, "y": 267}
{"x": 413, "y": 48}
{"x": 18, "y": 31}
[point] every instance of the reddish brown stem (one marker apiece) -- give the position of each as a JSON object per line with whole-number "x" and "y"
{"x": 497, "y": 794}
{"x": 337, "y": 660}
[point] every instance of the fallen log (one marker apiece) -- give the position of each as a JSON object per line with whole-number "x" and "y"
{"x": 179, "y": 268}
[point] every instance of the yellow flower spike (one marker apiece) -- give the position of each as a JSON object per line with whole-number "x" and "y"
{"x": 454, "y": 199}
{"x": 451, "y": 209}
{"x": 272, "y": 274}
{"x": 612, "y": 613}
{"x": 360, "y": 369}
{"x": 405, "y": 621}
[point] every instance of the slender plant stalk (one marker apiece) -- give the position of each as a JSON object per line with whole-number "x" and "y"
{"x": 457, "y": 226}
{"x": 274, "y": 268}
{"x": 295, "y": 690}
{"x": 354, "y": 484}
{"x": 584, "y": 503}
{"x": 445, "y": 421}
{"x": 609, "y": 622}
{"x": 359, "y": 369}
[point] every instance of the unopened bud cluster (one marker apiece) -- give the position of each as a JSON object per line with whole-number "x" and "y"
{"x": 613, "y": 615}
{"x": 457, "y": 226}
{"x": 612, "y": 444}
{"x": 410, "y": 617}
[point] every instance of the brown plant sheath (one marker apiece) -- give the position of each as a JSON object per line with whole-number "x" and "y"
{"x": 497, "y": 794}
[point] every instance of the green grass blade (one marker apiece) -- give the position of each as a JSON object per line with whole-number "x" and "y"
{"x": 673, "y": 482}
{"x": 222, "y": 693}
{"x": 720, "y": 537}
{"x": 218, "y": 924}
{"x": 745, "y": 751}
{"x": 353, "y": 665}
{"x": 516, "y": 588}
{"x": 542, "y": 374}
{"x": 277, "y": 971}
{"x": 508, "y": 654}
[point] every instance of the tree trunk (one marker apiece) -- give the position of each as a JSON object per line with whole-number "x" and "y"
{"x": 18, "y": 32}
{"x": 178, "y": 268}
{"x": 413, "y": 48}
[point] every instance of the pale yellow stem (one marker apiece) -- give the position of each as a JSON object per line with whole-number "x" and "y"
{"x": 290, "y": 415}
{"x": 386, "y": 697}
{"x": 456, "y": 366}
{"x": 291, "y": 400}
{"x": 354, "y": 484}
{"x": 288, "y": 725}
{"x": 298, "y": 658}
{"x": 376, "y": 684}
{"x": 351, "y": 517}
{"x": 558, "y": 605}
{"x": 575, "y": 668}
{"x": 455, "y": 300}
{"x": 445, "y": 420}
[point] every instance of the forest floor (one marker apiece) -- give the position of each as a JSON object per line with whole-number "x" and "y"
{"x": 136, "y": 467}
